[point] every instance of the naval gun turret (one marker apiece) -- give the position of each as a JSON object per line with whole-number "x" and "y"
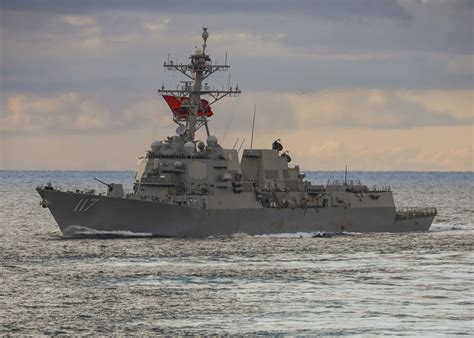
{"x": 113, "y": 189}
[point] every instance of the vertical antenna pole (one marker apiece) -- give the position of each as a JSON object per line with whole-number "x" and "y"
{"x": 235, "y": 144}
{"x": 225, "y": 63}
{"x": 253, "y": 125}
{"x": 345, "y": 175}
{"x": 241, "y": 145}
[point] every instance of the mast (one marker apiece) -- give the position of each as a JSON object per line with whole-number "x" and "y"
{"x": 253, "y": 125}
{"x": 197, "y": 70}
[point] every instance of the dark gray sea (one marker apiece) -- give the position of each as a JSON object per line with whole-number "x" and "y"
{"x": 288, "y": 284}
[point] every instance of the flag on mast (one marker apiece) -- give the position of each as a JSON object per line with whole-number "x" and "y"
{"x": 180, "y": 106}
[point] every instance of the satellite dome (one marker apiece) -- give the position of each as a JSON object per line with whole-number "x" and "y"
{"x": 201, "y": 145}
{"x": 211, "y": 141}
{"x": 156, "y": 146}
{"x": 286, "y": 156}
{"x": 181, "y": 129}
{"x": 189, "y": 147}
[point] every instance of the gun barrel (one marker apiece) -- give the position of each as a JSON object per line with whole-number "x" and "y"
{"x": 108, "y": 185}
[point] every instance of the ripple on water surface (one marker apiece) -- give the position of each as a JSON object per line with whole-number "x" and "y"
{"x": 359, "y": 284}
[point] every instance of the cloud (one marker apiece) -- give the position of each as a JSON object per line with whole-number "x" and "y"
{"x": 321, "y": 130}
{"x": 65, "y": 113}
{"x": 91, "y": 68}
{"x": 78, "y": 20}
{"x": 356, "y": 108}
{"x": 423, "y": 149}
{"x": 373, "y": 109}
{"x": 74, "y": 152}
{"x": 58, "y": 52}
{"x": 376, "y": 109}
{"x": 319, "y": 8}
{"x": 426, "y": 149}
{"x": 459, "y": 104}
{"x": 156, "y": 25}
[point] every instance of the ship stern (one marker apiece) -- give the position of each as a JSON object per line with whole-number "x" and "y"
{"x": 414, "y": 218}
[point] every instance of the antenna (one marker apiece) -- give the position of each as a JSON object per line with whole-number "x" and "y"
{"x": 225, "y": 62}
{"x": 345, "y": 175}
{"x": 197, "y": 71}
{"x": 205, "y": 35}
{"x": 235, "y": 143}
{"x": 253, "y": 125}
{"x": 241, "y": 144}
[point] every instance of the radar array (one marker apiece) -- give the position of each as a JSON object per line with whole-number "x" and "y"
{"x": 190, "y": 111}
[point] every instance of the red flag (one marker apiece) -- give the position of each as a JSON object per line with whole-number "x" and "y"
{"x": 176, "y": 106}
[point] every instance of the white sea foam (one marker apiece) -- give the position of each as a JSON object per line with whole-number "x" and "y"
{"x": 78, "y": 231}
{"x": 287, "y": 235}
{"x": 450, "y": 226}
{"x": 306, "y": 234}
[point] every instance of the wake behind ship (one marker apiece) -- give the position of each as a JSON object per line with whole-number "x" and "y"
{"x": 185, "y": 187}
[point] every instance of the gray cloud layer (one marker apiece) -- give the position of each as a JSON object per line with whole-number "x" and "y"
{"x": 44, "y": 52}
{"x": 110, "y": 52}
{"x": 320, "y": 8}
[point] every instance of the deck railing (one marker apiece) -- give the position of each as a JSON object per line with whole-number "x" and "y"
{"x": 415, "y": 212}
{"x": 357, "y": 186}
{"x": 344, "y": 182}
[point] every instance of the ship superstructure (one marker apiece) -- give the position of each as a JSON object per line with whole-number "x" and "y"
{"x": 185, "y": 187}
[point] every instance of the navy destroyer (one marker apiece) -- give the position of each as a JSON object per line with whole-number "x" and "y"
{"x": 185, "y": 187}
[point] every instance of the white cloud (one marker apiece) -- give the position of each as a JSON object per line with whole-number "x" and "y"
{"x": 323, "y": 140}
{"x": 357, "y": 108}
{"x": 23, "y": 113}
{"x": 424, "y": 149}
{"x": 364, "y": 108}
{"x": 156, "y": 26}
{"x": 457, "y": 103}
{"x": 77, "y": 20}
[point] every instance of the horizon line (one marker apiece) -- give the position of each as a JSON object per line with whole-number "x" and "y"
{"x": 303, "y": 170}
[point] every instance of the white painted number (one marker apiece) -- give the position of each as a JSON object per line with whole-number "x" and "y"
{"x": 85, "y": 204}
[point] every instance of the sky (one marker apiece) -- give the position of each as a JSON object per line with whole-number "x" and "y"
{"x": 372, "y": 84}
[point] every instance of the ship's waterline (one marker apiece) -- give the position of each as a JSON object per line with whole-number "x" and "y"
{"x": 111, "y": 214}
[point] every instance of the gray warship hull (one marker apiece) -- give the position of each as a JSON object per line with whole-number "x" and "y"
{"x": 185, "y": 187}
{"x": 73, "y": 210}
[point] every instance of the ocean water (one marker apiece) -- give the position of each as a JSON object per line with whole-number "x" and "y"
{"x": 290, "y": 284}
